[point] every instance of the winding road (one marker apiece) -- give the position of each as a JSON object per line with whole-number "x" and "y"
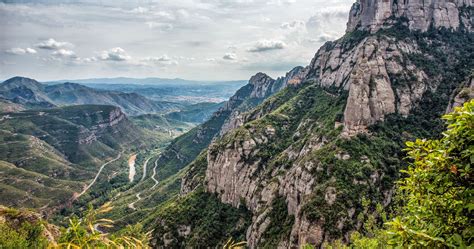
{"x": 132, "y": 205}
{"x": 97, "y": 176}
{"x": 144, "y": 169}
{"x": 153, "y": 175}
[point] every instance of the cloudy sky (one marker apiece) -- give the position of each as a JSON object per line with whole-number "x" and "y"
{"x": 191, "y": 39}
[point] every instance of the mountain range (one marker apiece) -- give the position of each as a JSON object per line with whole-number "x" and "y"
{"x": 30, "y": 93}
{"x": 146, "y": 81}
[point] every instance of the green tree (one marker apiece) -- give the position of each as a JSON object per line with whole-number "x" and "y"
{"x": 85, "y": 232}
{"x": 438, "y": 190}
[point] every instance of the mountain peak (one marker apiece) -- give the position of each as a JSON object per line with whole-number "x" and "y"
{"x": 371, "y": 15}
{"x": 19, "y": 81}
{"x": 260, "y": 78}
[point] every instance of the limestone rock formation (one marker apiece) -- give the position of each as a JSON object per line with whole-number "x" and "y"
{"x": 465, "y": 93}
{"x": 262, "y": 86}
{"x": 377, "y": 74}
{"x": 418, "y": 14}
{"x": 91, "y": 134}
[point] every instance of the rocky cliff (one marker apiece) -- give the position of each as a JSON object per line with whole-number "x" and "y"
{"x": 463, "y": 94}
{"x": 261, "y": 86}
{"x": 314, "y": 161}
{"x": 419, "y": 15}
{"x": 331, "y": 139}
{"x": 110, "y": 123}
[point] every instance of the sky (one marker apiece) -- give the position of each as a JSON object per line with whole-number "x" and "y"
{"x": 190, "y": 39}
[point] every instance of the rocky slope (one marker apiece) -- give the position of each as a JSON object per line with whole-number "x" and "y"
{"x": 29, "y": 225}
{"x": 187, "y": 147}
{"x": 9, "y": 106}
{"x": 310, "y": 159}
{"x": 464, "y": 93}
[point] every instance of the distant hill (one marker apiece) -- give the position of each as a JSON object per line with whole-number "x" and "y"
{"x": 32, "y": 94}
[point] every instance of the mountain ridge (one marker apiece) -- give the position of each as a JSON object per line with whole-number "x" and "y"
{"x": 306, "y": 160}
{"x": 30, "y": 92}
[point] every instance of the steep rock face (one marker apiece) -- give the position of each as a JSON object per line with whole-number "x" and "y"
{"x": 419, "y": 14}
{"x": 93, "y": 133}
{"x": 368, "y": 71}
{"x": 238, "y": 173}
{"x": 261, "y": 85}
{"x": 465, "y": 93}
{"x": 381, "y": 74}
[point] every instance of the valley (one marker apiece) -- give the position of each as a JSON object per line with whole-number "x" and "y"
{"x": 79, "y": 147}
{"x": 367, "y": 146}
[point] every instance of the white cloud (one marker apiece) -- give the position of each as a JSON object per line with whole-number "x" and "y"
{"x": 280, "y": 2}
{"x": 89, "y": 59}
{"x": 21, "y": 51}
{"x": 64, "y": 53}
{"x": 202, "y": 29}
{"x": 139, "y": 10}
{"x": 115, "y": 54}
{"x": 266, "y": 45}
{"x": 161, "y": 60}
{"x": 230, "y": 56}
{"x": 296, "y": 24}
{"x": 160, "y": 25}
{"x": 52, "y": 44}
{"x": 164, "y": 15}
{"x": 30, "y": 51}
{"x": 183, "y": 14}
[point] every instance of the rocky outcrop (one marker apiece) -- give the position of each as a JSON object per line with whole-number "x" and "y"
{"x": 368, "y": 71}
{"x": 419, "y": 15}
{"x": 93, "y": 133}
{"x": 464, "y": 94}
{"x": 262, "y": 86}
{"x": 19, "y": 219}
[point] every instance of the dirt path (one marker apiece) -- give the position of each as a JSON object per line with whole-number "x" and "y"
{"x": 97, "y": 176}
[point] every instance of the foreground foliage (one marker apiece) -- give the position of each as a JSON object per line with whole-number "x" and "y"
{"x": 437, "y": 193}
{"x": 25, "y": 229}
{"x": 86, "y": 232}
{"x": 438, "y": 190}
